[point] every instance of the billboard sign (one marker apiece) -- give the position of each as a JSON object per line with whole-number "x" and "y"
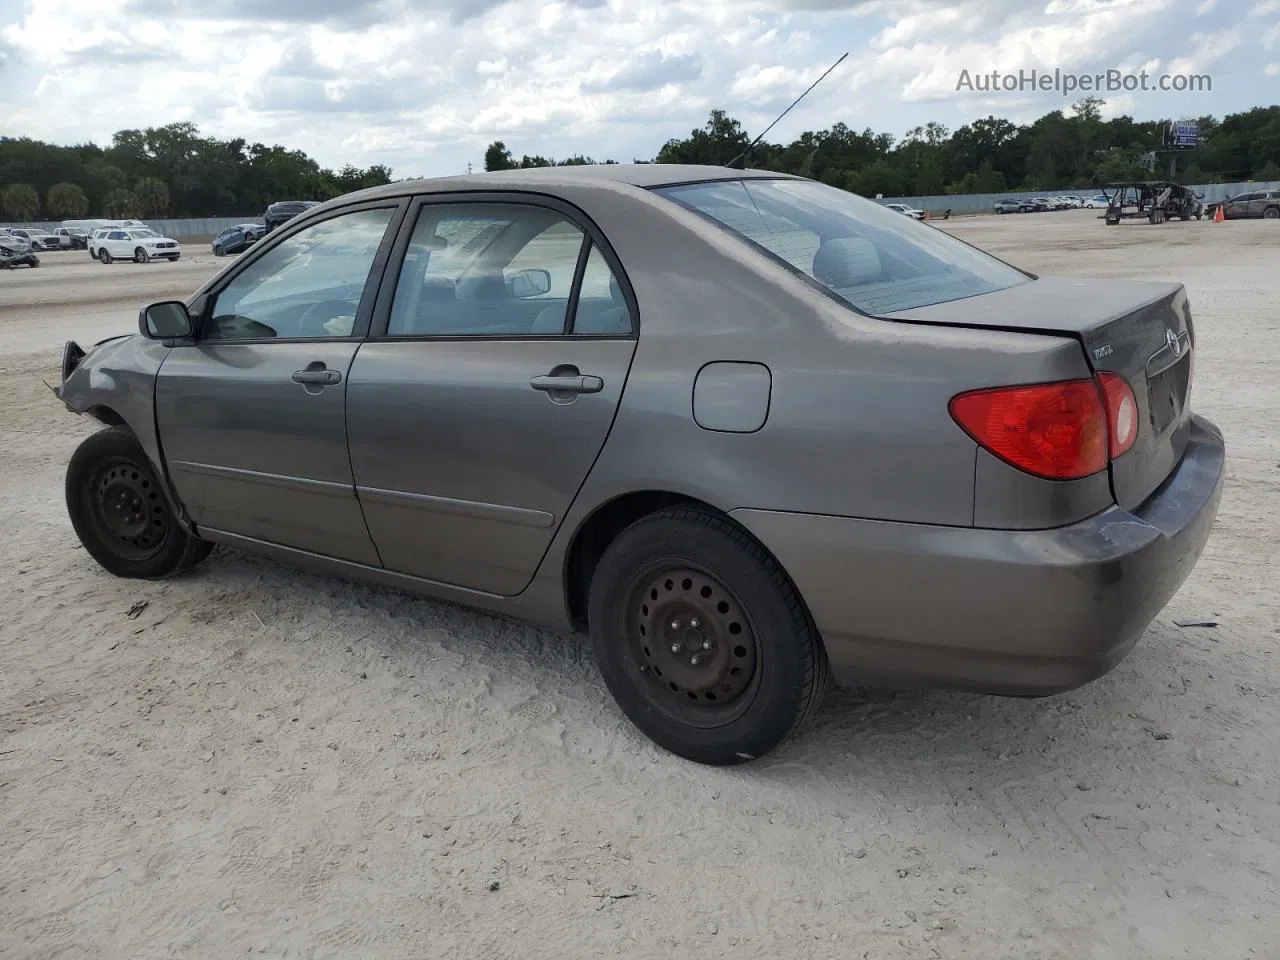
{"x": 1184, "y": 134}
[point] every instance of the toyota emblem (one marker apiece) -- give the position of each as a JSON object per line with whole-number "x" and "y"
{"x": 1174, "y": 343}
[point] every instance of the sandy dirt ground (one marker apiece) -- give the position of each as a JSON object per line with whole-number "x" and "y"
{"x": 261, "y": 762}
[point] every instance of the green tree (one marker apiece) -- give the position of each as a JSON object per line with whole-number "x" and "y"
{"x": 152, "y": 197}
{"x": 66, "y": 201}
{"x": 20, "y": 201}
{"x": 719, "y": 141}
{"x": 498, "y": 157}
{"x": 121, "y": 204}
{"x": 881, "y": 177}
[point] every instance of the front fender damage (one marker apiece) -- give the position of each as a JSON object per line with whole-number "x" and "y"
{"x": 114, "y": 382}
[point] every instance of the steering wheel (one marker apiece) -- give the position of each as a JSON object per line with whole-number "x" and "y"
{"x": 313, "y": 319}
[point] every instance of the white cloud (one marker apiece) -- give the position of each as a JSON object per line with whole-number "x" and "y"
{"x": 425, "y": 85}
{"x": 1272, "y": 70}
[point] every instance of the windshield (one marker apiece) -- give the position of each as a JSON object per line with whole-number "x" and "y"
{"x": 872, "y": 257}
{"x": 142, "y": 234}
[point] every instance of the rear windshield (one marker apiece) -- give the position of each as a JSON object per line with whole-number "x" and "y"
{"x": 871, "y": 257}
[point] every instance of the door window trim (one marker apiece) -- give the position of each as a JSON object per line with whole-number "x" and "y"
{"x": 593, "y": 237}
{"x": 373, "y": 281}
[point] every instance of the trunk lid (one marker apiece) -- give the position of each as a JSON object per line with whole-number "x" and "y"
{"x": 1140, "y": 330}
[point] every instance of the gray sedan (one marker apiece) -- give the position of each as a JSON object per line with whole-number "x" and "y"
{"x": 748, "y": 431}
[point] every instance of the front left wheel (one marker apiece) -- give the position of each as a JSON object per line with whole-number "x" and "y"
{"x": 120, "y": 512}
{"x": 702, "y": 639}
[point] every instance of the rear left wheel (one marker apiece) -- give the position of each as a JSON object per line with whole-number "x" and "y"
{"x": 702, "y": 639}
{"x": 120, "y": 512}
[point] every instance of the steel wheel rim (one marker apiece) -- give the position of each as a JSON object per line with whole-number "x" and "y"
{"x": 128, "y": 512}
{"x": 692, "y": 643}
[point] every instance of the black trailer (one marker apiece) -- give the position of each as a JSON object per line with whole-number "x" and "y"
{"x": 1157, "y": 200}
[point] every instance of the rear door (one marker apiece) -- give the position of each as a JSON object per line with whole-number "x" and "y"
{"x": 252, "y": 415}
{"x": 485, "y": 393}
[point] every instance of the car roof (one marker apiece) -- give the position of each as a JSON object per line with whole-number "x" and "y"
{"x": 644, "y": 175}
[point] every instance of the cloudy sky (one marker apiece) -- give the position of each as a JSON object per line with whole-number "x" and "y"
{"x": 425, "y": 85}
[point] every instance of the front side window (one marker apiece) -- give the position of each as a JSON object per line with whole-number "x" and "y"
{"x": 871, "y": 257}
{"x": 486, "y": 270}
{"x": 309, "y": 285}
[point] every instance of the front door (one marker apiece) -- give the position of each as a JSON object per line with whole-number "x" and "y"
{"x": 252, "y": 416}
{"x": 478, "y": 407}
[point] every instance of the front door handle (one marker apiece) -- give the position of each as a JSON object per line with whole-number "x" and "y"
{"x": 320, "y": 375}
{"x": 574, "y": 384}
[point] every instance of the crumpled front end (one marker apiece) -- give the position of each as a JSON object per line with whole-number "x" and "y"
{"x": 114, "y": 382}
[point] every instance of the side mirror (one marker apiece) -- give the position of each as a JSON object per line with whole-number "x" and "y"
{"x": 529, "y": 283}
{"x": 167, "y": 320}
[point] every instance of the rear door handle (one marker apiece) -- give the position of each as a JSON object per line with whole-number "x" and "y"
{"x": 578, "y": 384}
{"x": 320, "y": 376}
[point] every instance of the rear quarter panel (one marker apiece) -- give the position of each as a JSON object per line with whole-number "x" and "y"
{"x": 858, "y": 422}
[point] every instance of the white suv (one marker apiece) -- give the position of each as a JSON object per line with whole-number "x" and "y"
{"x": 139, "y": 244}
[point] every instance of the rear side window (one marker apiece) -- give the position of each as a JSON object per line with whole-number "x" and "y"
{"x": 866, "y": 254}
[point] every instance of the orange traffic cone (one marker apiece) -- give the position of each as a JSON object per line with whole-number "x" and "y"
{"x": 1217, "y": 214}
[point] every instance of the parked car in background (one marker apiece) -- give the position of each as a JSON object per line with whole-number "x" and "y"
{"x": 906, "y": 210}
{"x": 1100, "y": 201}
{"x": 237, "y": 239}
{"x": 283, "y": 211}
{"x": 1011, "y": 206}
{"x": 38, "y": 239}
{"x": 879, "y": 454}
{"x": 16, "y": 252}
{"x": 95, "y": 238}
{"x": 1040, "y": 204}
{"x": 72, "y": 238}
{"x": 139, "y": 244}
{"x": 1256, "y": 203}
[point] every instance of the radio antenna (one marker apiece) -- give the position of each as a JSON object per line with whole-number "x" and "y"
{"x": 740, "y": 161}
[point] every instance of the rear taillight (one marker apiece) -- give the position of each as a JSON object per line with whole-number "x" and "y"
{"x": 1122, "y": 413}
{"x": 1059, "y": 431}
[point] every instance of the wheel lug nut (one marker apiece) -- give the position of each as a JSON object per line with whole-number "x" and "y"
{"x": 695, "y": 623}
{"x": 695, "y": 660}
{"x": 675, "y": 624}
{"x": 675, "y": 648}
{"x": 706, "y": 644}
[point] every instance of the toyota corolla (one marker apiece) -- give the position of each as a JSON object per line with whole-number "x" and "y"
{"x": 748, "y": 431}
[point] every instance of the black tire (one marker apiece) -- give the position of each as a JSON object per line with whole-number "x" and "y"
{"x": 218, "y": 251}
{"x": 104, "y": 256}
{"x": 766, "y": 671}
{"x": 1271, "y": 213}
{"x": 141, "y": 256}
{"x": 138, "y": 537}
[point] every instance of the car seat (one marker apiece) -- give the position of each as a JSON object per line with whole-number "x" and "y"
{"x": 615, "y": 319}
{"x": 846, "y": 262}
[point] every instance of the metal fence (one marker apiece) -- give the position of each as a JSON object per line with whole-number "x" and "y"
{"x": 957, "y": 203}
{"x": 981, "y": 202}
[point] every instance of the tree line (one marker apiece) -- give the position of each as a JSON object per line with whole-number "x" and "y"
{"x": 175, "y": 171}
{"x": 168, "y": 171}
{"x": 1072, "y": 151}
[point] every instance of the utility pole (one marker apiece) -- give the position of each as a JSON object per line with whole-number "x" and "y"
{"x": 468, "y": 168}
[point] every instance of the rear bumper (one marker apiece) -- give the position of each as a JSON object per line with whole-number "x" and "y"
{"x": 1024, "y": 613}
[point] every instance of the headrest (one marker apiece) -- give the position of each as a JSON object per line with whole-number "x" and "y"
{"x": 489, "y": 286}
{"x": 846, "y": 262}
